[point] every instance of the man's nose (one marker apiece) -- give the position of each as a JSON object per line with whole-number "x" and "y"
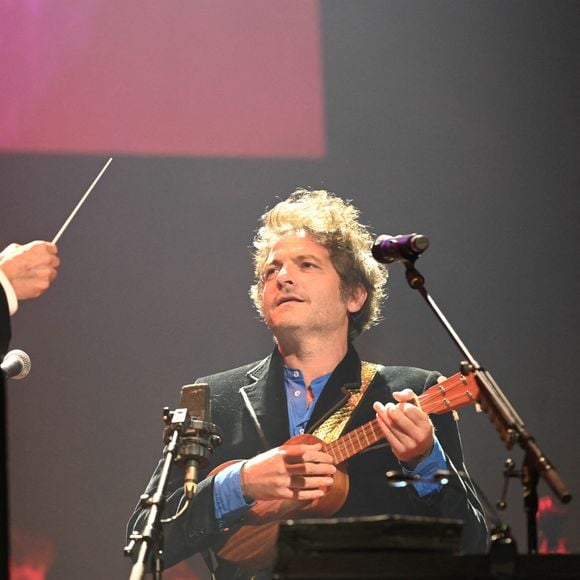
{"x": 285, "y": 276}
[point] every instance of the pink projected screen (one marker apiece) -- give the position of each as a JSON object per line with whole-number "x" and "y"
{"x": 187, "y": 77}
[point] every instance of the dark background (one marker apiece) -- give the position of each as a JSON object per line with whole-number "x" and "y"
{"x": 458, "y": 120}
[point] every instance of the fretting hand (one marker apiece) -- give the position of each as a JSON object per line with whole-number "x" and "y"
{"x": 407, "y": 428}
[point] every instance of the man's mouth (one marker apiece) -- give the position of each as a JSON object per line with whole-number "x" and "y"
{"x": 289, "y": 298}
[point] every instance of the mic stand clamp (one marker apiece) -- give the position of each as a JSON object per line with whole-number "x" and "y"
{"x": 198, "y": 440}
{"x": 186, "y": 439}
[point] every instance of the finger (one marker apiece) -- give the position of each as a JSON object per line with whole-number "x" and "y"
{"x": 327, "y": 469}
{"x": 415, "y": 414}
{"x": 404, "y": 447}
{"x": 40, "y": 274}
{"x": 404, "y": 395}
{"x": 298, "y": 482}
{"x": 317, "y": 457}
{"x": 52, "y": 274}
{"x": 48, "y": 259}
{"x": 408, "y": 439}
{"x": 299, "y": 450}
{"x": 402, "y": 429}
{"x": 441, "y": 379}
{"x": 408, "y": 421}
{"x": 45, "y": 258}
{"x": 305, "y": 453}
{"x": 390, "y": 435}
{"x": 404, "y": 410}
{"x": 303, "y": 494}
{"x": 385, "y": 422}
{"x": 46, "y": 248}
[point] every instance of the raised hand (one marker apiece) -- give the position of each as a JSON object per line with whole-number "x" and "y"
{"x": 30, "y": 268}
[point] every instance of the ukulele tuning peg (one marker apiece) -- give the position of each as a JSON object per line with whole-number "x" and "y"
{"x": 478, "y": 408}
{"x": 455, "y": 415}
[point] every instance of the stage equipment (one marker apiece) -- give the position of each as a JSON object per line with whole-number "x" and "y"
{"x": 502, "y": 414}
{"x": 368, "y": 534}
{"x": 190, "y": 439}
{"x": 387, "y": 249}
{"x": 16, "y": 365}
{"x": 400, "y": 548}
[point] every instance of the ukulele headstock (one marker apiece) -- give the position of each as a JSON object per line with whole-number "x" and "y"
{"x": 451, "y": 394}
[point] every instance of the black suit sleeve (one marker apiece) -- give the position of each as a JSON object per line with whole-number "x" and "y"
{"x": 4, "y": 323}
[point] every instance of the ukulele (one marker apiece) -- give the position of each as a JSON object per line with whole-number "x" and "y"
{"x": 252, "y": 546}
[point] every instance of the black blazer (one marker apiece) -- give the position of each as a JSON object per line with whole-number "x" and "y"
{"x": 4, "y": 323}
{"x": 263, "y": 385}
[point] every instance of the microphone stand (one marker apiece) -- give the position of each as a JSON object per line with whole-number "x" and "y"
{"x": 502, "y": 414}
{"x": 187, "y": 439}
{"x": 5, "y": 374}
{"x": 4, "y": 503}
{"x": 151, "y": 537}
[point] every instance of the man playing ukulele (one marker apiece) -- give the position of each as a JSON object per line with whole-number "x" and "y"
{"x": 317, "y": 288}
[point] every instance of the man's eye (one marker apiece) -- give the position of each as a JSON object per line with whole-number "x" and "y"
{"x": 308, "y": 265}
{"x": 269, "y": 272}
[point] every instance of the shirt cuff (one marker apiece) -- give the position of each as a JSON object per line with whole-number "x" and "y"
{"x": 10, "y": 294}
{"x": 426, "y": 469}
{"x": 228, "y": 499}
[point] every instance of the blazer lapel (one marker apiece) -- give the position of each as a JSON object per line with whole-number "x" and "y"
{"x": 364, "y": 411}
{"x": 266, "y": 396}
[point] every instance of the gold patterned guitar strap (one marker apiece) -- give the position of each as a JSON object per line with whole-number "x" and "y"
{"x": 331, "y": 429}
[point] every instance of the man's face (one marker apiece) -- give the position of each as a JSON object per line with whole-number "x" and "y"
{"x": 302, "y": 289}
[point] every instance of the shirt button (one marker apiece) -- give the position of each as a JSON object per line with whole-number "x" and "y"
{"x": 296, "y": 393}
{"x": 301, "y": 431}
{"x": 296, "y": 374}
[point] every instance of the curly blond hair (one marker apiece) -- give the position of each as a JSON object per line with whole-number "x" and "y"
{"x": 333, "y": 223}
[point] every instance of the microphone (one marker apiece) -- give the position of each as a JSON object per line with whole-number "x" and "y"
{"x": 195, "y": 443}
{"x": 195, "y": 398}
{"x": 409, "y": 247}
{"x": 16, "y": 365}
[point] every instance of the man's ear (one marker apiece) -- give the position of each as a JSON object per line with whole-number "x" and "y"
{"x": 357, "y": 299}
